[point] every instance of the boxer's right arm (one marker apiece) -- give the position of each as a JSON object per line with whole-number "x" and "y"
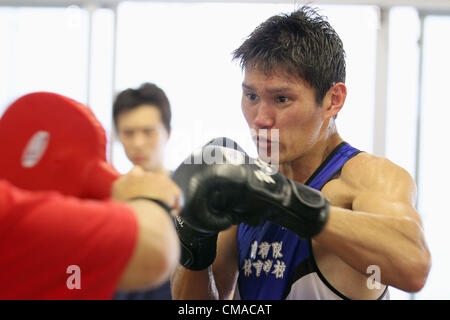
{"x": 214, "y": 282}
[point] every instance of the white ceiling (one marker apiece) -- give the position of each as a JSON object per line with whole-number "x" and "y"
{"x": 421, "y": 4}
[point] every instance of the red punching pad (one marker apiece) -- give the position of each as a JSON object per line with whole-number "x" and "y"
{"x": 51, "y": 142}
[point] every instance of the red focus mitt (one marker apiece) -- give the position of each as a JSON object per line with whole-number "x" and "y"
{"x": 51, "y": 142}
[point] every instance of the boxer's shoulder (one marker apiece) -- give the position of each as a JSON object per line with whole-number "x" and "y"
{"x": 366, "y": 172}
{"x": 344, "y": 187}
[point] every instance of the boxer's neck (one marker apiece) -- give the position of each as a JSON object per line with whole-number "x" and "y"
{"x": 303, "y": 167}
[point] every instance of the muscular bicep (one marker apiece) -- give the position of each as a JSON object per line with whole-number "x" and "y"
{"x": 225, "y": 267}
{"x": 376, "y": 203}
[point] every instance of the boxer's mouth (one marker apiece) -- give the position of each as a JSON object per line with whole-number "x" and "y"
{"x": 264, "y": 143}
{"x": 259, "y": 139}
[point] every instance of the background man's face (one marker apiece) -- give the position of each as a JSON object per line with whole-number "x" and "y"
{"x": 143, "y": 136}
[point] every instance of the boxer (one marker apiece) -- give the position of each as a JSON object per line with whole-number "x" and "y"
{"x": 252, "y": 239}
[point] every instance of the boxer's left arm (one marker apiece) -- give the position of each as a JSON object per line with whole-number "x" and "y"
{"x": 383, "y": 228}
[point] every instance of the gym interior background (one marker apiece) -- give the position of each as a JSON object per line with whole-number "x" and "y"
{"x": 397, "y": 77}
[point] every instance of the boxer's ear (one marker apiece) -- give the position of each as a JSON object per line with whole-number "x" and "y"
{"x": 334, "y": 100}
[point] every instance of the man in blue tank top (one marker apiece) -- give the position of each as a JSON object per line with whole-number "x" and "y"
{"x": 371, "y": 236}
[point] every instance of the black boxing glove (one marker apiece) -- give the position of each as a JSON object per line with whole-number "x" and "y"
{"x": 198, "y": 245}
{"x": 223, "y": 186}
{"x": 198, "y": 248}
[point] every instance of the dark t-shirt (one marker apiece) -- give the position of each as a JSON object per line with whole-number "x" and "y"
{"x": 160, "y": 293}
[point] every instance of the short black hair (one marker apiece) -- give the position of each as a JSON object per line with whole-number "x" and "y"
{"x": 302, "y": 43}
{"x": 147, "y": 93}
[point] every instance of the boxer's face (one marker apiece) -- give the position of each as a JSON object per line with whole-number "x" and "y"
{"x": 282, "y": 102}
{"x": 143, "y": 136}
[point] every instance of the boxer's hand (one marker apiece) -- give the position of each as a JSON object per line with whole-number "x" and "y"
{"x": 138, "y": 183}
{"x": 219, "y": 195}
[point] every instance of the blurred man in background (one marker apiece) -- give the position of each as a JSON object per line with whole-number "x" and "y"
{"x": 142, "y": 121}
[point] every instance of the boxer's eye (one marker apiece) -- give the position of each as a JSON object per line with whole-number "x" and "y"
{"x": 282, "y": 99}
{"x": 251, "y": 96}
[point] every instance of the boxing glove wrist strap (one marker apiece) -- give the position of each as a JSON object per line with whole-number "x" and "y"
{"x": 158, "y": 202}
{"x": 198, "y": 249}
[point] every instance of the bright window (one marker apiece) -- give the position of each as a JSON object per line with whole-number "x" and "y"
{"x": 186, "y": 50}
{"x": 46, "y": 49}
{"x": 435, "y": 154}
{"x": 403, "y": 87}
{"x": 402, "y": 94}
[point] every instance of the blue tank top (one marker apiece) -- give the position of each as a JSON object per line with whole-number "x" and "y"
{"x": 272, "y": 258}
